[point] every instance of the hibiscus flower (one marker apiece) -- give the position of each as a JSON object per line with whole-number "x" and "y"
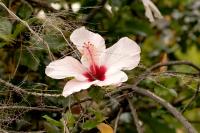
{"x": 98, "y": 66}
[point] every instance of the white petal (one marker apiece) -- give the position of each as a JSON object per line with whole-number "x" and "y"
{"x": 74, "y": 85}
{"x": 82, "y": 35}
{"x": 66, "y": 67}
{"x": 151, "y": 10}
{"x": 113, "y": 79}
{"x": 148, "y": 14}
{"x": 155, "y": 10}
{"x": 125, "y": 54}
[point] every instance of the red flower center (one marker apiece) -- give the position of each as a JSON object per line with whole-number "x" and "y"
{"x": 95, "y": 73}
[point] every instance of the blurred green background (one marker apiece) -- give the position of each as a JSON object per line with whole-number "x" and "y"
{"x": 23, "y": 58}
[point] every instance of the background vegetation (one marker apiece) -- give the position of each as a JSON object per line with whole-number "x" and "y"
{"x": 30, "y": 101}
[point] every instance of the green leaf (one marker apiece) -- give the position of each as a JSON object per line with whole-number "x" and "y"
{"x": 96, "y": 93}
{"x": 2, "y": 44}
{"x": 192, "y": 54}
{"x": 25, "y": 10}
{"x": 173, "y": 92}
{"x": 168, "y": 82}
{"x": 20, "y": 28}
{"x": 6, "y": 38}
{"x": 30, "y": 60}
{"x": 133, "y": 25}
{"x": 115, "y": 3}
{"x": 5, "y": 32}
{"x": 165, "y": 92}
{"x": 90, "y": 124}
{"x": 5, "y": 26}
{"x": 70, "y": 119}
{"x": 54, "y": 40}
{"x": 49, "y": 128}
{"x": 99, "y": 116}
{"x": 193, "y": 115}
{"x": 156, "y": 125}
{"x": 52, "y": 121}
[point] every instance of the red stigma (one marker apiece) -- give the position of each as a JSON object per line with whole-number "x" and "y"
{"x": 95, "y": 73}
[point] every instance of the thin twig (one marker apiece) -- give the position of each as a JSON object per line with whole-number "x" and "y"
{"x": 156, "y": 66}
{"x": 117, "y": 120}
{"x": 181, "y": 73}
{"x": 135, "y": 116}
{"x": 20, "y": 90}
{"x": 170, "y": 63}
{"x": 50, "y": 109}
